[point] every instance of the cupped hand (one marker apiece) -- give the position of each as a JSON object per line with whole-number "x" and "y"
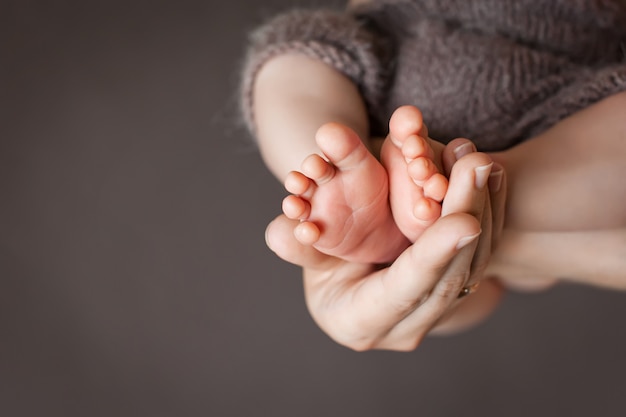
{"x": 368, "y": 306}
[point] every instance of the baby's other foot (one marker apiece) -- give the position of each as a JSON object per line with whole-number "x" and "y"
{"x": 413, "y": 163}
{"x": 342, "y": 202}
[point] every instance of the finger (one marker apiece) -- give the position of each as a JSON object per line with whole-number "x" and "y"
{"x": 482, "y": 251}
{"x": 497, "y": 195}
{"x": 467, "y": 186}
{"x": 455, "y": 150}
{"x": 463, "y": 271}
{"x": 492, "y": 224}
{"x": 467, "y": 194}
{"x": 410, "y": 331}
{"x": 472, "y": 172}
{"x": 390, "y": 295}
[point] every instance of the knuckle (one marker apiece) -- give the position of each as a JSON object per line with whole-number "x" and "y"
{"x": 478, "y": 268}
{"x": 403, "y": 306}
{"x": 467, "y": 163}
{"x": 450, "y": 286}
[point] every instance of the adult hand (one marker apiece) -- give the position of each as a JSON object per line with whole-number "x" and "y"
{"x": 364, "y": 306}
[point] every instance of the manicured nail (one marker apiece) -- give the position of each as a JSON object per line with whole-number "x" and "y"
{"x": 495, "y": 179}
{"x": 464, "y": 241}
{"x": 462, "y": 150}
{"x": 481, "y": 175}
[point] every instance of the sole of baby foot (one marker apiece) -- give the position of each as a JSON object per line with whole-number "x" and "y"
{"x": 341, "y": 200}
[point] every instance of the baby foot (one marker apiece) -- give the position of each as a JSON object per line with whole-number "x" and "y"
{"x": 413, "y": 163}
{"x": 342, "y": 202}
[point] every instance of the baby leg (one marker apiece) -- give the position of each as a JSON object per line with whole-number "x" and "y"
{"x": 413, "y": 163}
{"x": 342, "y": 201}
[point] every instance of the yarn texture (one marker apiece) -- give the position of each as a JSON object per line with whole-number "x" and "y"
{"x": 495, "y": 71}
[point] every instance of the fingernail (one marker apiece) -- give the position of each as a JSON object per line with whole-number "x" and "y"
{"x": 481, "y": 175}
{"x": 495, "y": 179}
{"x": 462, "y": 150}
{"x": 464, "y": 241}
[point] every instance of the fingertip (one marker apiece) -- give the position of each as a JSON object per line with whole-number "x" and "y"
{"x": 482, "y": 175}
{"x": 470, "y": 162}
{"x": 463, "y": 149}
{"x": 466, "y": 240}
{"x": 455, "y": 150}
{"x": 458, "y": 225}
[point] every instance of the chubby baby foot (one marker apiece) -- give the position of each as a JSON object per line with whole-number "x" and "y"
{"x": 342, "y": 201}
{"x": 413, "y": 163}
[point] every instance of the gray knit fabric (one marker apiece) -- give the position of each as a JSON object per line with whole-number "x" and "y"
{"x": 336, "y": 38}
{"x": 495, "y": 71}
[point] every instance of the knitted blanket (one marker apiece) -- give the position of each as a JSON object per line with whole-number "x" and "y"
{"x": 495, "y": 71}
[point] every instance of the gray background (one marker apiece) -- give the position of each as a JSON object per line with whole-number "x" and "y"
{"x": 134, "y": 280}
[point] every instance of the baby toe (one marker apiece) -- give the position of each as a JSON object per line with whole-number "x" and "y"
{"x": 307, "y": 233}
{"x": 427, "y": 211}
{"x": 296, "y": 208}
{"x": 318, "y": 169}
{"x": 421, "y": 169}
{"x": 436, "y": 187}
{"x": 299, "y": 184}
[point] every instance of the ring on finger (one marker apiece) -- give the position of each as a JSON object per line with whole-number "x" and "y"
{"x": 468, "y": 289}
